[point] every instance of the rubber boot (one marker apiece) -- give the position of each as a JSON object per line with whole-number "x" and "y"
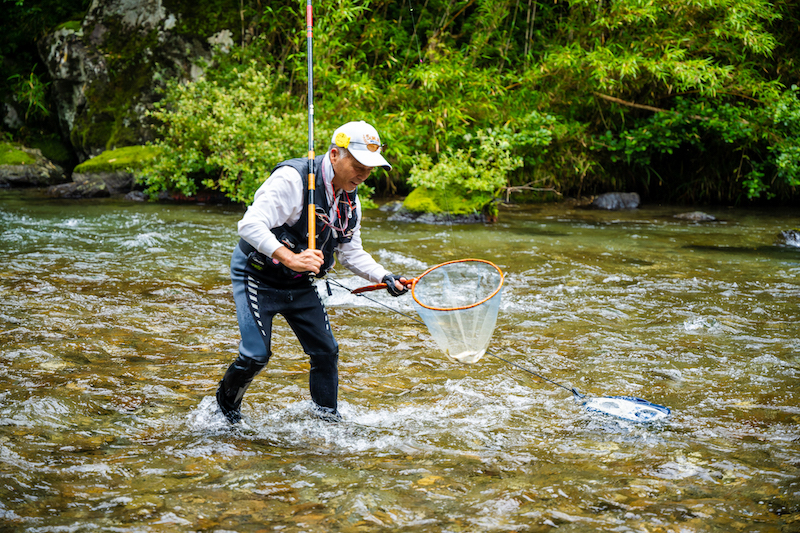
{"x": 323, "y": 382}
{"x": 234, "y": 384}
{"x": 326, "y": 414}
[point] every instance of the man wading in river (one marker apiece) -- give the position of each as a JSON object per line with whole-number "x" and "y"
{"x": 271, "y": 266}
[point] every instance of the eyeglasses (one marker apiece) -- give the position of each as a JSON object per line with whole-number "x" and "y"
{"x": 372, "y": 147}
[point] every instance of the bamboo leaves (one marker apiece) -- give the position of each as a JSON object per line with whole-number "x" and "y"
{"x": 584, "y": 95}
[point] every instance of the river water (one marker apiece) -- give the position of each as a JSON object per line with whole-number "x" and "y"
{"x": 117, "y": 322}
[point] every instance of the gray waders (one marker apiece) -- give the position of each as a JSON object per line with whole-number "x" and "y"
{"x": 258, "y": 299}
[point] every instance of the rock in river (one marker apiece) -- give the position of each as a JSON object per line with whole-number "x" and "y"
{"x": 614, "y": 201}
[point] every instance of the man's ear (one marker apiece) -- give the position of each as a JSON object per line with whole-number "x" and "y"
{"x": 335, "y": 155}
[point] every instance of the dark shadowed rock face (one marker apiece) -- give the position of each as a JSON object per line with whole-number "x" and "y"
{"x": 613, "y": 201}
{"x": 108, "y": 74}
{"x": 74, "y": 68}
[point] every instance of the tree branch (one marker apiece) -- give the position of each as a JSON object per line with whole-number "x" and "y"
{"x": 646, "y": 107}
{"x": 632, "y": 104}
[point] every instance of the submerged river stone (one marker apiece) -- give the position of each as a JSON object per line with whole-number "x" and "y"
{"x": 696, "y": 216}
{"x": 94, "y": 185}
{"x": 614, "y": 201}
{"x": 404, "y": 215}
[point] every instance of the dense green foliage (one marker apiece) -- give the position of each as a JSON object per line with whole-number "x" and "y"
{"x": 31, "y": 92}
{"x": 223, "y": 133}
{"x": 23, "y": 78}
{"x": 763, "y": 139}
{"x": 681, "y": 100}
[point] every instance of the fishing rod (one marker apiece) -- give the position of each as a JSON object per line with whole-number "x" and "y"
{"x": 312, "y": 213}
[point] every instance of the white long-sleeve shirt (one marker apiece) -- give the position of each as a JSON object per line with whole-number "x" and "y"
{"x": 280, "y": 201}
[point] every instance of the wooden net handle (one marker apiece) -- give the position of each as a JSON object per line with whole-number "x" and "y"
{"x": 408, "y": 283}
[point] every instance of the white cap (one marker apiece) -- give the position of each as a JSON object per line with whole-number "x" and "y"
{"x": 363, "y": 141}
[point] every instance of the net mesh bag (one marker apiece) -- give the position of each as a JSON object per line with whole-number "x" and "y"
{"x": 459, "y": 301}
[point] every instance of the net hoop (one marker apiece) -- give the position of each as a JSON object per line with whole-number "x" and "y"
{"x": 421, "y": 276}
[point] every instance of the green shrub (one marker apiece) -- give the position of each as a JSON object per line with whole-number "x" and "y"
{"x": 477, "y": 172}
{"x": 224, "y": 136}
{"x": 31, "y": 91}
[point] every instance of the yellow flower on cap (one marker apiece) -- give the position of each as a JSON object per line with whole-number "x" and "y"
{"x": 342, "y": 139}
{"x": 363, "y": 143}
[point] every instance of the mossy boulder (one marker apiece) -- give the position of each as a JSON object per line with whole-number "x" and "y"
{"x": 111, "y": 173}
{"x": 438, "y": 206}
{"x": 11, "y": 154}
{"x": 126, "y": 159}
{"x": 435, "y": 201}
{"x": 27, "y": 167}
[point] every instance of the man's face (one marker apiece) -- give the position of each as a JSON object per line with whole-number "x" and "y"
{"x": 348, "y": 172}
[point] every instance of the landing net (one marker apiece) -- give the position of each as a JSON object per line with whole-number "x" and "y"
{"x": 459, "y": 301}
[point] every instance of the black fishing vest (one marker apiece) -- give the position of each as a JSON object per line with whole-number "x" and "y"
{"x": 295, "y": 236}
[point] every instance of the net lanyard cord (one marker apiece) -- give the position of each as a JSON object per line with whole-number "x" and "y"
{"x": 573, "y": 390}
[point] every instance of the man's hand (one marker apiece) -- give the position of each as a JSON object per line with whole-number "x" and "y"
{"x": 306, "y": 261}
{"x": 395, "y": 284}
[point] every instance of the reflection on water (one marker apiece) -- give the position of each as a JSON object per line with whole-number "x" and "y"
{"x": 117, "y": 321}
